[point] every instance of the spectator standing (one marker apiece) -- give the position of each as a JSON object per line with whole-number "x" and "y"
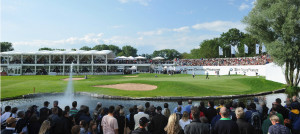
{"x": 139, "y": 115}
{"x": 179, "y": 105}
{"x": 244, "y": 126}
{"x": 6, "y": 115}
{"x": 184, "y": 120}
{"x": 143, "y": 122}
{"x": 196, "y": 127}
{"x": 158, "y": 122}
{"x": 10, "y": 127}
{"x": 75, "y": 129}
{"x": 188, "y": 107}
{"x": 44, "y": 112}
{"x": 45, "y": 127}
{"x": 211, "y": 111}
{"x": 73, "y": 110}
{"x": 109, "y": 122}
{"x": 225, "y": 125}
{"x": 276, "y": 127}
{"x": 166, "y": 111}
{"x": 21, "y": 123}
{"x": 173, "y": 126}
{"x": 55, "y": 104}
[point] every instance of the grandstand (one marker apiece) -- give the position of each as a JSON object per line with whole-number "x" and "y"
{"x": 84, "y": 63}
{"x": 105, "y": 62}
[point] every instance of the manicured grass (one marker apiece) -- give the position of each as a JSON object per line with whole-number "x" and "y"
{"x": 175, "y": 85}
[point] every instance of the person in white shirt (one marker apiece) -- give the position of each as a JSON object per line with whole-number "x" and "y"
{"x": 109, "y": 122}
{"x": 6, "y": 114}
{"x": 184, "y": 120}
{"x": 139, "y": 115}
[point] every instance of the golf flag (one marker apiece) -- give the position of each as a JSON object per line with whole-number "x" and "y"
{"x": 263, "y": 49}
{"x": 236, "y": 49}
{"x": 257, "y": 48}
{"x": 232, "y": 49}
{"x": 220, "y": 51}
{"x": 246, "y": 48}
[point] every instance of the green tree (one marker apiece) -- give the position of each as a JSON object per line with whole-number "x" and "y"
{"x": 128, "y": 51}
{"x": 73, "y": 49}
{"x": 276, "y": 24}
{"x": 168, "y": 54}
{"x": 195, "y": 53}
{"x": 232, "y": 37}
{"x": 6, "y": 46}
{"x": 101, "y": 47}
{"x": 86, "y": 48}
{"x": 209, "y": 48}
{"x": 46, "y": 48}
{"x": 115, "y": 49}
{"x": 186, "y": 55}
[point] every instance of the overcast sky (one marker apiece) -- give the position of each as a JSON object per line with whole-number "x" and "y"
{"x": 147, "y": 25}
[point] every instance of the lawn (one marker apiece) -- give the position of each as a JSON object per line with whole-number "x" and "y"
{"x": 168, "y": 85}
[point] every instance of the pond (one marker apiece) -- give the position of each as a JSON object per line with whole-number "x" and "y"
{"x": 24, "y": 103}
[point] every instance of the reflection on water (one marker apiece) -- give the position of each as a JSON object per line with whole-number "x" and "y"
{"x": 23, "y": 104}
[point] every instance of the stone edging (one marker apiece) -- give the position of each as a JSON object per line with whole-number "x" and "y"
{"x": 168, "y": 98}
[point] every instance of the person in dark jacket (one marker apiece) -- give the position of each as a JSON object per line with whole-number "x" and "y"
{"x": 55, "y": 104}
{"x": 34, "y": 125}
{"x": 211, "y": 112}
{"x": 67, "y": 122}
{"x": 158, "y": 122}
{"x": 225, "y": 125}
{"x": 84, "y": 114}
{"x": 44, "y": 112}
{"x": 142, "y": 129}
{"x": 196, "y": 127}
{"x": 244, "y": 126}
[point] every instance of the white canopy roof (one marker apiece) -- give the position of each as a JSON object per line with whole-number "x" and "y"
{"x": 109, "y": 53}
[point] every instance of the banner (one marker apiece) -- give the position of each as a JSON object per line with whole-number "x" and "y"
{"x": 246, "y": 48}
{"x": 263, "y": 49}
{"x": 232, "y": 49}
{"x": 236, "y": 49}
{"x": 220, "y": 51}
{"x": 257, "y": 48}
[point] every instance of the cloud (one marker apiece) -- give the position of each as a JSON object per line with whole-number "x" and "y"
{"x": 117, "y": 26}
{"x": 219, "y": 26}
{"x": 141, "y": 2}
{"x": 65, "y": 43}
{"x": 243, "y": 6}
{"x": 182, "y": 29}
{"x": 155, "y": 32}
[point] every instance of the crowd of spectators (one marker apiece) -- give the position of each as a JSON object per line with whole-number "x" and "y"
{"x": 257, "y": 60}
{"x": 231, "y": 117}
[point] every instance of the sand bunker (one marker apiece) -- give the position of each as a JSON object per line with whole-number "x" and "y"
{"x": 66, "y": 79}
{"x": 130, "y": 86}
{"x": 131, "y": 76}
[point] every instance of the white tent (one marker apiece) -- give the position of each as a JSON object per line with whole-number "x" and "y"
{"x": 158, "y": 58}
{"x": 121, "y": 58}
{"x": 140, "y": 57}
{"x": 130, "y": 58}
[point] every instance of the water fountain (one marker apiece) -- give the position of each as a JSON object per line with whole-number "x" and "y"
{"x": 69, "y": 92}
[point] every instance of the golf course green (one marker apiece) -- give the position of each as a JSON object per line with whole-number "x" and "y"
{"x": 167, "y": 85}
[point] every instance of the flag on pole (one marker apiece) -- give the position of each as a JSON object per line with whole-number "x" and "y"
{"x": 257, "y": 48}
{"x": 246, "y": 48}
{"x": 236, "y": 49}
{"x": 232, "y": 49}
{"x": 220, "y": 51}
{"x": 263, "y": 49}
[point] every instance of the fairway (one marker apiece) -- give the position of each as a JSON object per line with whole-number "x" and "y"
{"x": 167, "y": 85}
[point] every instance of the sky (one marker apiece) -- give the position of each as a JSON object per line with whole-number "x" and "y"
{"x": 147, "y": 25}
